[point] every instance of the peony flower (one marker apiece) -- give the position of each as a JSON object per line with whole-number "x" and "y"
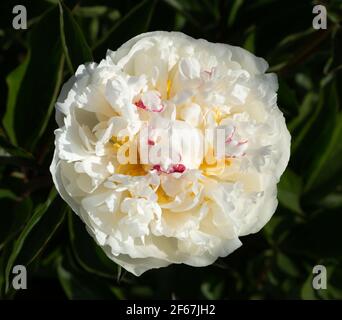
{"x": 170, "y": 149}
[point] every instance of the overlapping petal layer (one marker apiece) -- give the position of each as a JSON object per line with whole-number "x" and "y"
{"x": 161, "y": 208}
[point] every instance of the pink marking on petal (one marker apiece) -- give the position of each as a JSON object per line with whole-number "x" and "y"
{"x": 159, "y": 110}
{"x": 157, "y": 167}
{"x": 176, "y": 168}
{"x": 230, "y": 137}
{"x": 208, "y": 72}
{"x": 242, "y": 142}
{"x": 150, "y": 142}
{"x": 180, "y": 168}
{"x": 140, "y": 104}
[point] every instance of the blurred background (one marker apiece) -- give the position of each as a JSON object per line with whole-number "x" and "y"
{"x": 38, "y": 230}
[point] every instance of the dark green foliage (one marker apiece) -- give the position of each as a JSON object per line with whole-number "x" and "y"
{"x": 38, "y": 230}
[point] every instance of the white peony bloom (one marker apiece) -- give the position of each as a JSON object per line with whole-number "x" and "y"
{"x": 139, "y": 153}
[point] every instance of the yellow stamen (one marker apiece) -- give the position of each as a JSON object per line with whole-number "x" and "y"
{"x": 218, "y": 116}
{"x": 162, "y": 196}
{"x": 168, "y": 88}
{"x": 118, "y": 142}
{"x": 212, "y": 166}
{"x": 131, "y": 169}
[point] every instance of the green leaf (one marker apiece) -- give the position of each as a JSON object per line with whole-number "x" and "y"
{"x": 42, "y": 232}
{"x": 5, "y": 253}
{"x": 289, "y": 191}
{"x": 34, "y": 86}
{"x": 4, "y": 193}
{"x": 286, "y": 265}
{"x": 297, "y": 126}
{"x": 336, "y": 59}
{"x": 286, "y": 49}
{"x": 234, "y": 11}
{"x": 88, "y": 254}
{"x": 80, "y": 286}
{"x": 250, "y": 40}
{"x": 184, "y": 9}
{"x": 319, "y": 237}
{"x": 8, "y": 149}
{"x": 135, "y": 22}
{"x": 90, "y": 12}
{"x": 331, "y": 201}
{"x": 308, "y": 114}
{"x": 316, "y": 152}
{"x": 304, "y": 81}
{"x": 299, "y": 54}
{"x": 14, "y": 214}
{"x": 307, "y": 291}
{"x": 274, "y": 230}
{"x": 287, "y": 99}
{"x": 14, "y": 81}
{"x": 212, "y": 291}
{"x": 326, "y": 164}
{"x": 334, "y": 286}
{"x": 75, "y": 46}
{"x": 19, "y": 243}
